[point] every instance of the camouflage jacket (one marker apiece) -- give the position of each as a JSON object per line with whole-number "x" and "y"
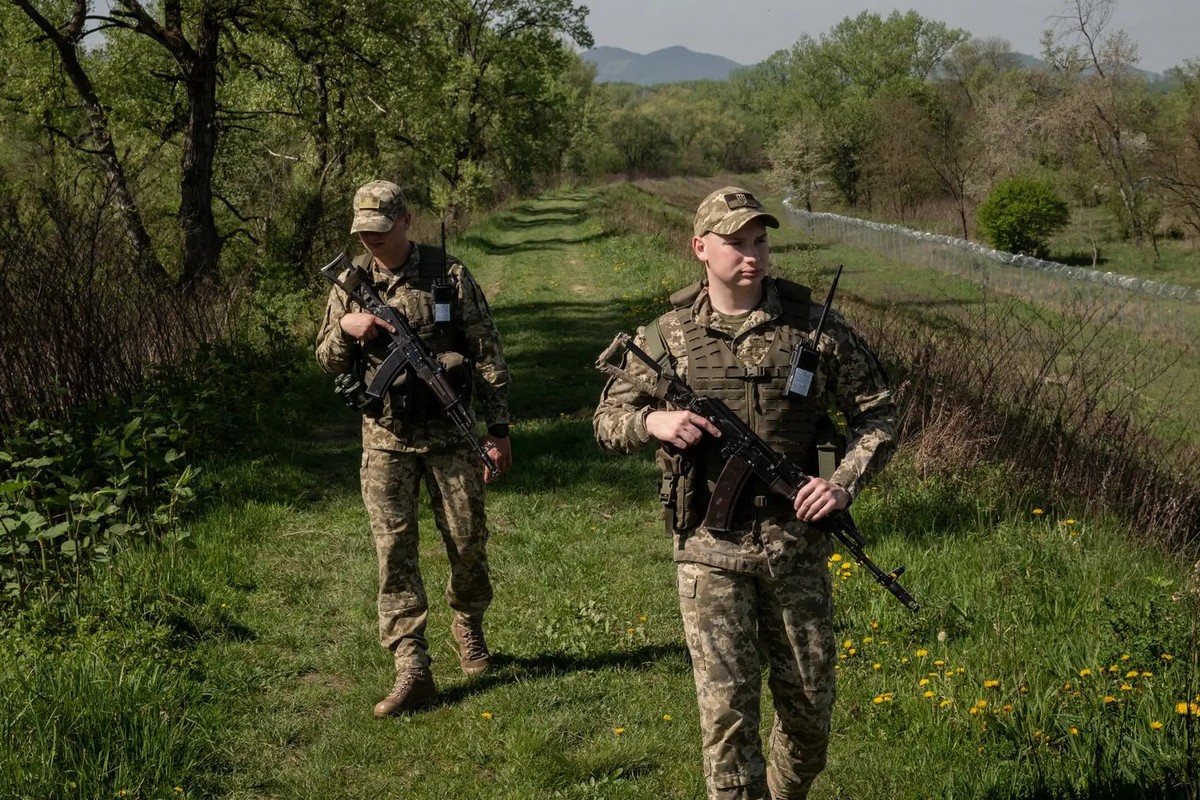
{"x": 336, "y": 352}
{"x": 851, "y": 375}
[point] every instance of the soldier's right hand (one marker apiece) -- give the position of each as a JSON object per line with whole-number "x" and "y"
{"x": 680, "y": 428}
{"x": 363, "y": 327}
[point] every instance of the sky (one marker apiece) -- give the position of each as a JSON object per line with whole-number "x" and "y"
{"x": 1167, "y": 32}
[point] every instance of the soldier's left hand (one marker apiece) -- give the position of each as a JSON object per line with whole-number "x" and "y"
{"x": 818, "y": 498}
{"x": 500, "y": 450}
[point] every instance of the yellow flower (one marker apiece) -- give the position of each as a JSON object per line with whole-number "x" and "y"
{"x": 876, "y": 665}
{"x": 874, "y": 625}
{"x": 1188, "y": 708}
{"x": 1037, "y": 512}
{"x": 1147, "y": 674}
{"x": 923, "y": 682}
{"x": 1067, "y": 687}
{"x": 1068, "y": 522}
{"x": 486, "y": 715}
{"x": 927, "y": 694}
{"x": 938, "y": 663}
{"x": 921, "y": 653}
{"x": 836, "y": 557}
{"x": 1083, "y": 673}
{"x": 1074, "y": 731}
{"x": 848, "y": 644}
{"x": 867, "y": 640}
{"x": 904, "y": 660}
{"x": 666, "y": 717}
{"x": 945, "y": 703}
{"x": 1166, "y": 657}
{"x": 629, "y": 630}
{"x": 618, "y": 731}
{"x": 1156, "y": 725}
{"x": 1108, "y": 698}
{"x": 1125, "y": 687}
{"x": 642, "y": 618}
{"x": 990, "y": 684}
{"x": 1125, "y": 657}
{"x": 973, "y": 711}
{"x": 852, "y": 651}
{"x": 1007, "y": 709}
{"x": 981, "y": 703}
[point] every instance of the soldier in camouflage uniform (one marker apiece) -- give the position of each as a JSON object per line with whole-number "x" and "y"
{"x": 763, "y": 589}
{"x": 408, "y": 440}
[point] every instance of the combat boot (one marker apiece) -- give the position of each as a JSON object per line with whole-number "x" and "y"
{"x": 473, "y": 655}
{"x": 413, "y": 691}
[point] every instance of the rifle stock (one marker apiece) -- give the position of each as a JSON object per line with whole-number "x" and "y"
{"x": 745, "y": 453}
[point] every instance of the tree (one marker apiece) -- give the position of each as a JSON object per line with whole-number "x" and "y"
{"x": 1097, "y": 68}
{"x": 1176, "y": 164}
{"x": 1020, "y": 215}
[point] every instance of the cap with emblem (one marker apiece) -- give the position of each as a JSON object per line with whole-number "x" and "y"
{"x": 727, "y": 209}
{"x": 376, "y": 206}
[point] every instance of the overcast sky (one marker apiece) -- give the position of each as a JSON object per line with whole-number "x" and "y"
{"x": 1167, "y": 31}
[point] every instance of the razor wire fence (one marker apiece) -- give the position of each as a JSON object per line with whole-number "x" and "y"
{"x": 1145, "y": 305}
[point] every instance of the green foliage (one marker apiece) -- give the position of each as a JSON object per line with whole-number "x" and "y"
{"x": 1021, "y": 214}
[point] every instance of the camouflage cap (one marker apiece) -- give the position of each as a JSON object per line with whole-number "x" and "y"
{"x": 376, "y": 207}
{"x": 727, "y": 209}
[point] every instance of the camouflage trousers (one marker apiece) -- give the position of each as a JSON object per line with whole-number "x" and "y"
{"x": 391, "y": 487}
{"x": 733, "y": 621}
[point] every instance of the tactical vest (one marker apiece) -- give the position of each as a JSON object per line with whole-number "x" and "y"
{"x": 414, "y": 298}
{"x": 757, "y": 394}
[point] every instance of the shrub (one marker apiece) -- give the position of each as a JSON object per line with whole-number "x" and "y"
{"x": 1020, "y": 215}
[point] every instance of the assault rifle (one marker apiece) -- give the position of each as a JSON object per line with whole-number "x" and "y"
{"x": 745, "y": 454}
{"x": 406, "y": 351}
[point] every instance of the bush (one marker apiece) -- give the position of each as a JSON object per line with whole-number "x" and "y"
{"x": 1020, "y": 215}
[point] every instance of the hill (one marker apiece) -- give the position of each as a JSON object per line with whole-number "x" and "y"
{"x": 669, "y": 65}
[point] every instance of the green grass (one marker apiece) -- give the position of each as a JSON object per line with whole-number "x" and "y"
{"x": 247, "y": 666}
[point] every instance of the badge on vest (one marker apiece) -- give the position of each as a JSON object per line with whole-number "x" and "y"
{"x": 806, "y": 358}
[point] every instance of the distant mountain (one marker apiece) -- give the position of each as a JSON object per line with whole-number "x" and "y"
{"x": 669, "y": 65}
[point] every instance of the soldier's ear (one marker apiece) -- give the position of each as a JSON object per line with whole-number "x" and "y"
{"x": 698, "y": 248}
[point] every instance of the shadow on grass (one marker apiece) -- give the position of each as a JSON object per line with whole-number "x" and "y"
{"x": 508, "y": 669}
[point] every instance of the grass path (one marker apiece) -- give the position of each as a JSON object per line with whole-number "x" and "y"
{"x": 583, "y": 606}
{"x": 591, "y": 695}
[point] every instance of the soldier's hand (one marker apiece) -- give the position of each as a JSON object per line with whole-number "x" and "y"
{"x": 680, "y": 428}
{"x": 818, "y": 498}
{"x": 363, "y": 327}
{"x": 500, "y": 449}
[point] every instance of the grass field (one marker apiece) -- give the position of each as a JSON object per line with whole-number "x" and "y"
{"x": 1051, "y": 659}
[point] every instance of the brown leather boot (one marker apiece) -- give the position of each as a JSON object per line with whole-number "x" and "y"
{"x": 413, "y": 691}
{"x": 473, "y": 655}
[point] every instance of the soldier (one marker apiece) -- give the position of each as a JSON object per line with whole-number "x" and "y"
{"x": 763, "y": 588}
{"x": 407, "y": 440}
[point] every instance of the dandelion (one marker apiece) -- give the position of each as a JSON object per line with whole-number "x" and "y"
{"x": 1112, "y": 668}
{"x": 973, "y": 711}
{"x": 937, "y": 663}
{"x": 1188, "y": 708}
{"x": 1037, "y": 512}
{"x": 1074, "y": 731}
{"x": 990, "y": 684}
{"x": 1167, "y": 657}
{"x": 927, "y": 694}
{"x": 852, "y": 650}
{"x": 1133, "y": 673}
{"x": 848, "y": 644}
{"x": 1007, "y": 708}
{"x": 1068, "y": 522}
{"x": 1067, "y": 686}
{"x": 867, "y": 640}
{"x": 904, "y": 660}
{"x": 666, "y": 717}
{"x": 1125, "y": 687}
{"x": 486, "y": 715}
{"x": 921, "y": 653}
{"x": 877, "y": 665}
{"x": 1125, "y": 657}
{"x": 1147, "y": 674}
{"x": 629, "y": 630}
{"x": 1108, "y": 698}
{"x": 923, "y": 682}
{"x": 874, "y": 625}
{"x": 1156, "y": 726}
{"x": 642, "y": 618}
{"x": 981, "y": 703}
{"x": 618, "y": 731}
{"x": 1083, "y": 673}
{"x": 834, "y": 557}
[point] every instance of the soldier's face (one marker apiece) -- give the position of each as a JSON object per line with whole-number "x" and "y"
{"x": 738, "y": 259}
{"x": 392, "y": 242}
